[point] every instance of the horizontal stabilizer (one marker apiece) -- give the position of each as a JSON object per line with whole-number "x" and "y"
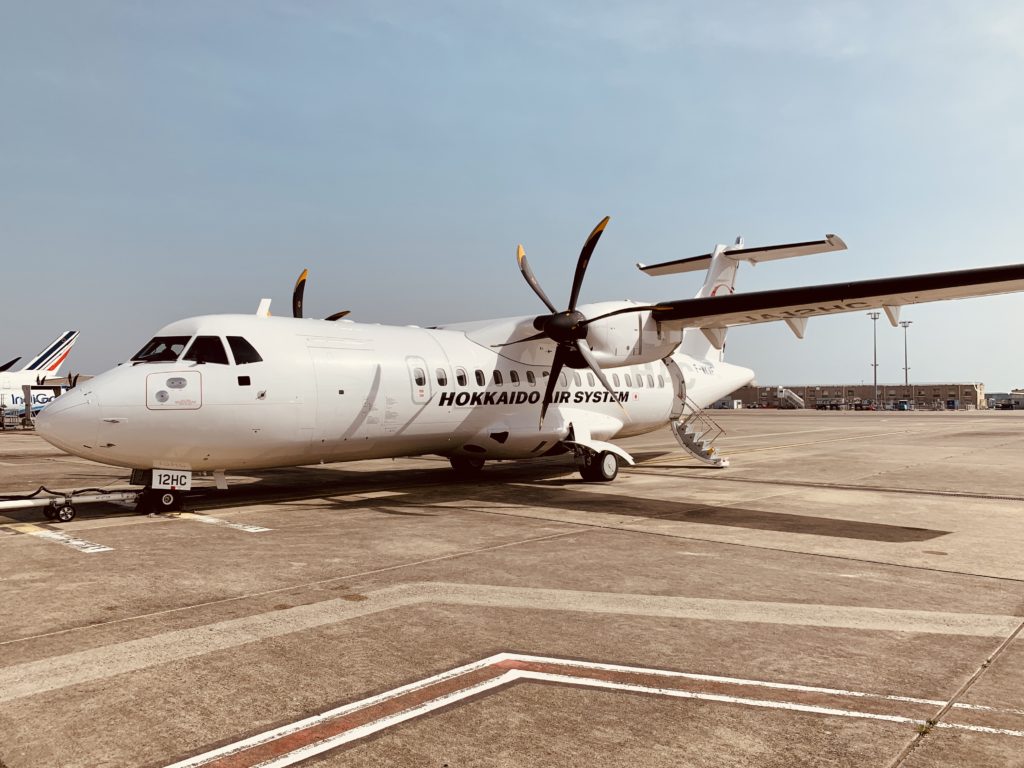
{"x": 810, "y": 301}
{"x": 751, "y": 255}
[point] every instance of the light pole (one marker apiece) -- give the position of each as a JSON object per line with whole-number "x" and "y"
{"x": 906, "y": 368}
{"x": 874, "y": 363}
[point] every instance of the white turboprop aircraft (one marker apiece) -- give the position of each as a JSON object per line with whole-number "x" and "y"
{"x": 231, "y": 392}
{"x": 45, "y": 365}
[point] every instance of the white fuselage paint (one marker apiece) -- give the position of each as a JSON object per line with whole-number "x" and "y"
{"x": 342, "y": 391}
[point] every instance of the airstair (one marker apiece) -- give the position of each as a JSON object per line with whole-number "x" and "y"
{"x": 789, "y": 399}
{"x": 697, "y": 433}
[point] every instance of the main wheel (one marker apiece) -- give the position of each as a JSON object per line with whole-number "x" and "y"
{"x": 467, "y": 466}
{"x": 65, "y": 514}
{"x": 602, "y": 468}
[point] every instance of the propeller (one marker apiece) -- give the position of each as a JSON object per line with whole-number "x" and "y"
{"x": 300, "y": 290}
{"x": 7, "y": 366}
{"x": 568, "y": 329}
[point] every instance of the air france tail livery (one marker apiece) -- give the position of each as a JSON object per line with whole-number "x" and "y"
{"x": 238, "y": 392}
{"x": 45, "y": 365}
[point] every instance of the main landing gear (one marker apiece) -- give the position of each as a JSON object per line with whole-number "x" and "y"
{"x": 467, "y": 466}
{"x": 600, "y": 467}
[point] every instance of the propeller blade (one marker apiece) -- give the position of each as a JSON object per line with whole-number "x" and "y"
{"x": 524, "y": 267}
{"x": 339, "y": 315}
{"x": 587, "y": 354}
{"x": 535, "y": 336}
{"x": 556, "y": 368}
{"x": 7, "y": 366}
{"x": 300, "y": 289}
{"x": 581, "y": 264}
{"x": 626, "y": 311}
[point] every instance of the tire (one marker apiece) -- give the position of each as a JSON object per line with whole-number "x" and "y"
{"x": 466, "y": 466}
{"x": 49, "y": 513}
{"x": 64, "y": 514}
{"x": 599, "y": 468}
{"x": 166, "y": 501}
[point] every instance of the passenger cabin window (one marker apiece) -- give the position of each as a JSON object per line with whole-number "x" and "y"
{"x": 243, "y": 351}
{"x": 530, "y": 378}
{"x": 480, "y": 378}
{"x": 563, "y": 379}
{"x": 442, "y": 377}
{"x": 640, "y": 381}
{"x": 661, "y": 382}
{"x": 419, "y": 376}
{"x": 498, "y": 381}
{"x": 513, "y": 376}
{"x": 629, "y": 380}
{"x": 207, "y": 349}
{"x": 576, "y": 378}
{"x": 590, "y": 379}
{"x": 650, "y": 381}
{"x": 162, "y": 349}
{"x": 460, "y": 376}
{"x": 615, "y": 379}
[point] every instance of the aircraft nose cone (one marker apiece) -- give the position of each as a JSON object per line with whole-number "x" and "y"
{"x": 71, "y": 422}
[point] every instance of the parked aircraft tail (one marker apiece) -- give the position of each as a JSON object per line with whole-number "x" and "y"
{"x": 722, "y": 264}
{"x": 53, "y": 355}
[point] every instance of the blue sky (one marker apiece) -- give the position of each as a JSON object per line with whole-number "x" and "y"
{"x": 160, "y": 160}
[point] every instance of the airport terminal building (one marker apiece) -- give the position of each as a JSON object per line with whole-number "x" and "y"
{"x": 964, "y": 395}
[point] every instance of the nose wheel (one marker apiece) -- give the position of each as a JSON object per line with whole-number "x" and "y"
{"x": 151, "y": 500}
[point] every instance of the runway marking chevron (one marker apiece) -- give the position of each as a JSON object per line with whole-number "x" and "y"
{"x": 311, "y": 736}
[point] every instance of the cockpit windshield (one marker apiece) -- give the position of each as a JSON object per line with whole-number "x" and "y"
{"x": 162, "y": 349}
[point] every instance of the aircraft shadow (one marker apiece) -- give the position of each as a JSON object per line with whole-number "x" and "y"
{"x": 537, "y": 483}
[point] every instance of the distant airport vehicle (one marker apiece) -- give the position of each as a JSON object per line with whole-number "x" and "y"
{"x": 45, "y": 365}
{"x": 237, "y": 392}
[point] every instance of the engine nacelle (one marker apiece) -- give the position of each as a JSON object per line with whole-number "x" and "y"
{"x": 628, "y": 339}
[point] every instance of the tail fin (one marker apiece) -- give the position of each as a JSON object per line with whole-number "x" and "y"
{"x": 721, "y": 264}
{"x": 53, "y": 355}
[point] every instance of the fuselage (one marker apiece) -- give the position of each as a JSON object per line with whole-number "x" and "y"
{"x": 318, "y": 391}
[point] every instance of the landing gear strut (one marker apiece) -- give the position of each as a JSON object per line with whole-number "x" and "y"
{"x": 600, "y": 467}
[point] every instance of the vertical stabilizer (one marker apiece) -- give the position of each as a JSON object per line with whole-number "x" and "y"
{"x": 709, "y": 344}
{"x": 53, "y": 355}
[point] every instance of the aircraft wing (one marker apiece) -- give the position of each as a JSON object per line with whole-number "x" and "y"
{"x": 795, "y": 305}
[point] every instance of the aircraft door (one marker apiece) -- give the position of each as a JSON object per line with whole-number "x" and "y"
{"x": 174, "y": 391}
{"x": 419, "y": 379}
{"x": 678, "y": 381}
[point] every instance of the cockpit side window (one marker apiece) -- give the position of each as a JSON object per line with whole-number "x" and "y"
{"x": 243, "y": 351}
{"x": 207, "y": 349}
{"x": 162, "y": 349}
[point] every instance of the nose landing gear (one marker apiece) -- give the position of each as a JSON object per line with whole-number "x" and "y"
{"x": 151, "y": 500}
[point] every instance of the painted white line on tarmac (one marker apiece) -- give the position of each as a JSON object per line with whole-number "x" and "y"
{"x": 32, "y": 678}
{"x": 61, "y": 538}
{"x": 211, "y": 520}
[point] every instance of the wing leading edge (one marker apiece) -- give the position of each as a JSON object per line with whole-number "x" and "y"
{"x": 797, "y": 304}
